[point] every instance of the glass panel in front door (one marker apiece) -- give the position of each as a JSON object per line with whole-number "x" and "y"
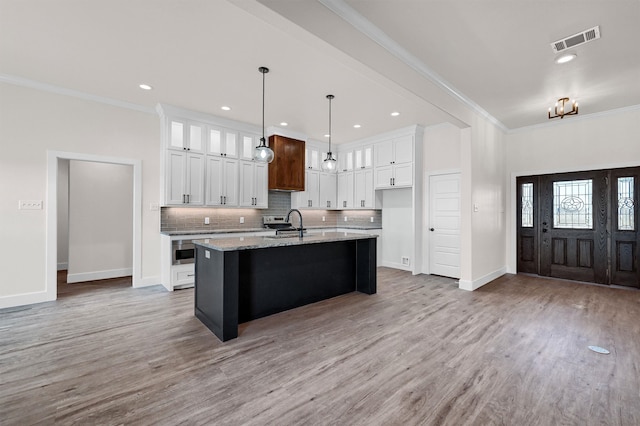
{"x": 625, "y": 204}
{"x": 573, "y": 204}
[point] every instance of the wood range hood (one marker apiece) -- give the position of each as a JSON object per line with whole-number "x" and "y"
{"x": 286, "y": 171}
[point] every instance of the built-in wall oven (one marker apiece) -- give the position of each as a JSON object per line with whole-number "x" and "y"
{"x": 183, "y": 252}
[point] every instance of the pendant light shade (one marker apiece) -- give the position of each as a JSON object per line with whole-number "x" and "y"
{"x": 262, "y": 152}
{"x": 330, "y": 164}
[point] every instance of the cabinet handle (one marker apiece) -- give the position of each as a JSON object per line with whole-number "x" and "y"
{"x": 221, "y": 199}
{"x": 191, "y": 275}
{"x": 225, "y": 199}
{"x": 344, "y": 204}
{"x": 188, "y": 198}
{"x": 185, "y": 148}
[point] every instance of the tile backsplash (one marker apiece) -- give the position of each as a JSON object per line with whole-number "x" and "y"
{"x": 192, "y": 218}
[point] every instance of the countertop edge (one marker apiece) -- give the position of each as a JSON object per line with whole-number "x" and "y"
{"x": 254, "y": 243}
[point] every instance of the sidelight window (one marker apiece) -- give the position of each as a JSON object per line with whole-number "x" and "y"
{"x": 572, "y": 204}
{"x": 527, "y": 205}
{"x": 626, "y": 209}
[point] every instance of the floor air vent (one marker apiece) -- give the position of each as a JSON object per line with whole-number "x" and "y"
{"x": 576, "y": 39}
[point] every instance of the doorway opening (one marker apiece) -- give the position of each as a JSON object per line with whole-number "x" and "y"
{"x": 53, "y": 182}
{"x": 580, "y": 226}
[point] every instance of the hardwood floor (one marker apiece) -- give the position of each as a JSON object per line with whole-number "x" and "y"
{"x": 419, "y": 352}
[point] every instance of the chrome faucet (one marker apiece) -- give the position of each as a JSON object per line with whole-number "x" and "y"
{"x": 301, "y": 229}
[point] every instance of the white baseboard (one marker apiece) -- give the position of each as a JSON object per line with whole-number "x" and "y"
{"x": 63, "y": 266}
{"x": 146, "y": 282}
{"x": 25, "y": 299}
{"x": 476, "y": 284}
{"x": 99, "y": 275}
{"x": 395, "y": 265}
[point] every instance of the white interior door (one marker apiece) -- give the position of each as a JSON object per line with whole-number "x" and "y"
{"x": 444, "y": 225}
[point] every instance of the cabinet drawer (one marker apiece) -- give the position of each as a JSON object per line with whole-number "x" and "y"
{"x": 183, "y": 276}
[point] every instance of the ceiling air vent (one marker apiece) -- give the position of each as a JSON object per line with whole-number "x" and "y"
{"x": 576, "y": 39}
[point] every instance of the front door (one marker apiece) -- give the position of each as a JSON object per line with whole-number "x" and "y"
{"x": 580, "y": 226}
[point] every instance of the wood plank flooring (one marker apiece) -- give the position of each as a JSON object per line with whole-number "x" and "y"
{"x": 420, "y": 352}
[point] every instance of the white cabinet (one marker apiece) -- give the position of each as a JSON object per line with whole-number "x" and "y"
{"x": 328, "y": 187}
{"x": 363, "y": 157}
{"x": 247, "y": 145}
{"x": 394, "y": 151}
{"x": 394, "y": 176}
{"x": 253, "y": 184}
{"x": 184, "y": 178}
{"x": 222, "y": 181}
{"x": 394, "y": 163}
{"x": 310, "y": 197}
{"x": 345, "y": 161}
{"x": 222, "y": 142}
{"x": 364, "y": 194}
{"x": 312, "y": 157}
{"x": 186, "y": 136}
{"x": 345, "y": 190}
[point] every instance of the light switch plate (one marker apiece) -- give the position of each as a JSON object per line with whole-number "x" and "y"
{"x": 30, "y": 205}
{"x": 154, "y": 207}
{"x": 206, "y": 220}
{"x": 241, "y": 219}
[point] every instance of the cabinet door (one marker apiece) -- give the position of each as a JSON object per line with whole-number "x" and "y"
{"x": 230, "y": 182}
{"x": 367, "y": 161}
{"x": 215, "y": 141}
{"x": 230, "y": 147}
{"x": 383, "y": 176}
{"x": 403, "y": 174}
{"x": 369, "y": 192}
{"x": 248, "y": 144}
{"x": 246, "y": 183}
{"x": 328, "y": 188}
{"x": 175, "y": 177}
{"x": 313, "y": 189}
{"x": 345, "y": 190}
{"x": 312, "y": 158}
{"x": 215, "y": 179}
{"x": 195, "y": 179}
{"x": 177, "y": 138}
{"x": 345, "y": 161}
{"x": 403, "y": 149}
{"x": 383, "y": 154}
{"x": 261, "y": 190}
{"x": 196, "y": 138}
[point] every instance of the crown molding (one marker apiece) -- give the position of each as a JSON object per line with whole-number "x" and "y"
{"x": 32, "y": 84}
{"x": 366, "y": 27}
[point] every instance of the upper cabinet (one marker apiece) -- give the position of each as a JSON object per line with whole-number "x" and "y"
{"x": 223, "y": 142}
{"x": 287, "y": 171}
{"x": 394, "y": 163}
{"x": 313, "y": 157}
{"x": 394, "y": 151}
{"x": 205, "y": 161}
{"x": 363, "y": 157}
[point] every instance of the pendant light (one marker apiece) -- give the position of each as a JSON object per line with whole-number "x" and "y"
{"x": 329, "y": 164}
{"x": 262, "y": 152}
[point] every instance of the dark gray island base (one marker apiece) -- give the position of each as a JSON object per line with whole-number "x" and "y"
{"x": 242, "y": 279}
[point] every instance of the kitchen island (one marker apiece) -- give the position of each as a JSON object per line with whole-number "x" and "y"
{"x": 244, "y": 278}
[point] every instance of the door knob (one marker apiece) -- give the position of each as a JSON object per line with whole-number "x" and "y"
{"x": 431, "y": 229}
{"x": 544, "y": 230}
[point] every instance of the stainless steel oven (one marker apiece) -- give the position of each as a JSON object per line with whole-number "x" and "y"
{"x": 183, "y": 252}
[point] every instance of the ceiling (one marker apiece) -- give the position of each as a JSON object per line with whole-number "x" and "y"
{"x": 433, "y": 61}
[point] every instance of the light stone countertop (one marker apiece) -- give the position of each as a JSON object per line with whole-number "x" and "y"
{"x": 251, "y": 243}
{"x": 237, "y": 230}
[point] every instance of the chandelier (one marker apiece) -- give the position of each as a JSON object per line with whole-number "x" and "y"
{"x": 560, "y": 109}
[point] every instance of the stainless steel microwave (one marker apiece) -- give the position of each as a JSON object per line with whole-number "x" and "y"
{"x": 183, "y": 252}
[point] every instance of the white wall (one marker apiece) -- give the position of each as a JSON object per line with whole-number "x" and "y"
{"x": 63, "y": 214}
{"x": 34, "y": 121}
{"x": 441, "y": 154}
{"x": 100, "y": 221}
{"x": 397, "y": 232}
{"x": 483, "y": 223}
{"x": 576, "y": 143}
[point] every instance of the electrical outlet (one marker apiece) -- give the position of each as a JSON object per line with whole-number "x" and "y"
{"x": 206, "y": 220}
{"x": 405, "y": 260}
{"x": 154, "y": 207}
{"x": 323, "y": 218}
{"x": 241, "y": 219}
{"x": 346, "y": 218}
{"x": 371, "y": 219}
{"x": 30, "y": 205}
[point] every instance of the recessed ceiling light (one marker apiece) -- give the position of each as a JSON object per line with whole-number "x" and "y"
{"x": 395, "y": 114}
{"x": 568, "y": 57}
{"x": 284, "y": 124}
{"x": 356, "y": 126}
{"x": 225, "y": 108}
{"x": 145, "y": 87}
